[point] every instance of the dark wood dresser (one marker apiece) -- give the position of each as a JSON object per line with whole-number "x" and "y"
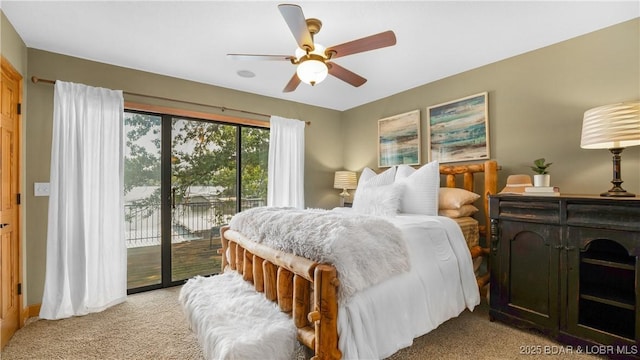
{"x": 568, "y": 266}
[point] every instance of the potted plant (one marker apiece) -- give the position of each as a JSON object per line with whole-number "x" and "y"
{"x": 542, "y": 177}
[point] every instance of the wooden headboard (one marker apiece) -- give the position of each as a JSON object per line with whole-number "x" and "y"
{"x": 489, "y": 169}
{"x": 468, "y": 172}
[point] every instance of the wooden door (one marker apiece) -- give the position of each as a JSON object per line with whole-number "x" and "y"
{"x": 10, "y": 251}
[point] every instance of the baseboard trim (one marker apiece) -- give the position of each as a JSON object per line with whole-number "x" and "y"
{"x": 34, "y": 310}
{"x": 24, "y": 316}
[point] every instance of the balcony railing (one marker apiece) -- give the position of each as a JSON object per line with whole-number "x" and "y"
{"x": 190, "y": 220}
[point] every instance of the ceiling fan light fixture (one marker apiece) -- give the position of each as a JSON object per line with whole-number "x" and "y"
{"x": 312, "y": 71}
{"x": 311, "y": 66}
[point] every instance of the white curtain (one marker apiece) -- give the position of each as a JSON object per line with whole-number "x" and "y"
{"x": 286, "y": 163}
{"x": 86, "y": 269}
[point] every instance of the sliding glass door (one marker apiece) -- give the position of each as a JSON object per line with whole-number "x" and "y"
{"x": 203, "y": 193}
{"x": 142, "y": 206}
{"x": 185, "y": 178}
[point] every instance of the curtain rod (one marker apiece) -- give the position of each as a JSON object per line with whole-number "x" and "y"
{"x": 36, "y": 80}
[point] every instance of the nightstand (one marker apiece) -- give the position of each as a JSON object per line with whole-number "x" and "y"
{"x": 568, "y": 266}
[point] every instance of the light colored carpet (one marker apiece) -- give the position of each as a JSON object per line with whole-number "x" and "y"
{"x": 148, "y": 325}
{"x": 152, "y": 325}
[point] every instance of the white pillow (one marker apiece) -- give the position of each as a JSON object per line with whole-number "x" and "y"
{"x": 382, "y": 200}
{"x": 370, "y": 178}
{"x": 454, "y": 198}
{"x": 367, "y": 196}
{"x": 420, "y": 188}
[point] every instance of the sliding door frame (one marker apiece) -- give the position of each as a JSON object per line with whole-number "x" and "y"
{"x": 167, "y": 116}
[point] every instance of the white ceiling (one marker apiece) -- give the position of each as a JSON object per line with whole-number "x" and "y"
{"x": 190, "y": 40}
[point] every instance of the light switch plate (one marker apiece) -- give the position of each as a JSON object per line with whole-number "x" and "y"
{"x": 40, "y": 189}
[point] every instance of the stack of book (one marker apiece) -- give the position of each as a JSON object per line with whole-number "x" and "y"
{"x": 542, "y": 191}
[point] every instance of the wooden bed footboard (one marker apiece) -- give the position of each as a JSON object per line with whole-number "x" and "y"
{"x": 304, "y": 289}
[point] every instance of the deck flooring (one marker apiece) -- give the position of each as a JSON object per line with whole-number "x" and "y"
{"x": 191, "y": 258}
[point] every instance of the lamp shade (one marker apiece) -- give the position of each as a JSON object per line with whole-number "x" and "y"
{"x": 611, "y": 126}
{"x": 345, "y": 180}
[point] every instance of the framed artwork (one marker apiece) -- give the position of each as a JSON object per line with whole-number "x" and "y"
{"x": 459, "y": 130}
{"x": 399, "y": 139}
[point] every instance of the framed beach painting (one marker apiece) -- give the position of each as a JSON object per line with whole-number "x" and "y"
{"x": 399, "y": 139}
{"x": 459, "y": 130}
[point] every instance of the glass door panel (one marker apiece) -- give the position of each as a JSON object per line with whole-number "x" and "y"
{"x": 254, "y": 162}
{"x": 203, "y": 193}
{"x": 142, "y": 199}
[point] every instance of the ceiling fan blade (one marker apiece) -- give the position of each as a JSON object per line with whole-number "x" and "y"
{"x": 346, "y": 75}
{"x": 294, "y": 17}
{"x": 292, "y": 84}
{"x": 377, "y": 41}
{"x": 261, "y": 57}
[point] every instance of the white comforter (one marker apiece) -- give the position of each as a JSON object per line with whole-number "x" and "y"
{"x": 377, "y": 322}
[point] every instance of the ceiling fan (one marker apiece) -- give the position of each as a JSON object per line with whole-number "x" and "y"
{"x": 313, "y": 60}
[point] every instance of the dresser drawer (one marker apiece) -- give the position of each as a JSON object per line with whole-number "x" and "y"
{"x": 621, "y": 216}
{"x": 547, "y": 212}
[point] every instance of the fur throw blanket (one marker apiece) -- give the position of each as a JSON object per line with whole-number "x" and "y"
{"x": 233, "y": 321}
{"x": 364, "y": 249}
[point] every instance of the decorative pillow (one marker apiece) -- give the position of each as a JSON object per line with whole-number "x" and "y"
{"x": 465, "y": 210}
{"x": 454, "y": 198}
{"x": 382, "y": 200}
{"x": 370, "y": 178}
{"x": 371, "y": 200}
{"x": 420, "y": 188}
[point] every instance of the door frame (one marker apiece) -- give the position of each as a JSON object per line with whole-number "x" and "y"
{"x": 167, "y": 114}
{"x": 23, "y": 312}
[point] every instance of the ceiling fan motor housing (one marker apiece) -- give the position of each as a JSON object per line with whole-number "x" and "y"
{"x": 314, "y": 25}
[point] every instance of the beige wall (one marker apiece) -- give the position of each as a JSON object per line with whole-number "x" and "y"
{"x": 536, "y": 104}
{"x": 322, "y": 148}
{"x": 11, "y": 45}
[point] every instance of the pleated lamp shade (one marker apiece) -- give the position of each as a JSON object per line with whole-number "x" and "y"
{"x": 344, "y": 180}
{"x": 611, "y": 126}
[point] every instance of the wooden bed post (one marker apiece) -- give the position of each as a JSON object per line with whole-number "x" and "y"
{"x": 247, "y": 270}
{"x": 325, "y": 313}
{"x": 285, "y": 290}
{"x": 270, "y": 275}
{"x": 490, "y": 188}
{"x": 301, "y": 300}
{"x": 258, "y": 275}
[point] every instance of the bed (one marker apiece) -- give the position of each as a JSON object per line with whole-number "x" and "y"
{"x": 334, "y": 325}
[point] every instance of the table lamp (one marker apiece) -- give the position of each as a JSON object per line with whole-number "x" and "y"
{"x": 612, "y": 127}
{"x": 345, "y": 180}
